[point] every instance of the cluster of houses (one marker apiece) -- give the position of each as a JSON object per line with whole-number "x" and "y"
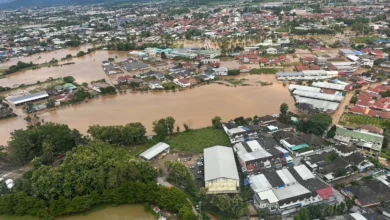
{"x": 371, "y": 104}
{"x": 59, "y": 93}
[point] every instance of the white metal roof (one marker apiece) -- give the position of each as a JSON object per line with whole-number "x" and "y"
{"x": 357, "y": 216}
{"x": 303, "y": 88}
{"x": 327, "y": 85}
{"x": 219, "y": 162}
{"x": 281, "y": 149}
{"x": 254, "y": 145}
{"x": 286, "y": 176}
{"x": 317, "y": 95}
{"x": 268, "y": 195}
{"x": 154, "y": 151}
{"x": 319, "y": 104}
{"x": 28, "y": 98}
{"x": 304, "y": 172}
{"x": 290, "y": 191}
{"x": 259, "y": 183}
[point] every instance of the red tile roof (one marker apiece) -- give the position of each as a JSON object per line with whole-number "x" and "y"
{"x": 384, "y": 115}
{"x": 357, "y": 110}
{"x": 372, "y": 113}
{"x": 325, "y": 193}
{"x": 364, "y": 103}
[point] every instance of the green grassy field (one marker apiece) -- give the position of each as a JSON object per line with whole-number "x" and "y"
{"x": 197, "y": 140}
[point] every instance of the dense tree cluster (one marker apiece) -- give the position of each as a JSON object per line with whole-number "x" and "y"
{"x": 42, "y": 141}
{"x": 92, "y": 174}
{"x": 163, "y": 128}
{"x": 130, "y": 134}
{"x": 181, "y": 175}
{"x": 316, "y": 124}
{"x": 234, "y": 206}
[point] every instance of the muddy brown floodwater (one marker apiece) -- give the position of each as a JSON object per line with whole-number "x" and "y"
{"x": 46, "y": 56}
{"x": 123, "y": 212}
{"x": 194, "y": 106}
{"x": 85, "y": 69}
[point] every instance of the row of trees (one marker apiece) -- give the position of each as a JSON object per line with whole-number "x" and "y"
{"x": 130, "y": 134}
{"x": 90, "y": 174}
{"x": 19, "y": 66}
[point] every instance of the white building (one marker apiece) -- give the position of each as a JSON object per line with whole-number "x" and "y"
{"x": 271, "y": 50}
{"x": 155, "y": 150}
{"x": 221, "y": 71}
{"x": 286, "y": 191}
{"x": 220, "y": 171}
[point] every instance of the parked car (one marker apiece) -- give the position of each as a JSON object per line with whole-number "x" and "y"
{"x": 192, "y": 167}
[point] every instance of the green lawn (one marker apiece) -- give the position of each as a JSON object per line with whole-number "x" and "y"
{"x": 197, "y": 140}
{"x": 356, "y": 120}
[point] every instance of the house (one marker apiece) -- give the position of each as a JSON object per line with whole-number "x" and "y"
{"x": 385, "y": 64}
{"x": 221, "y": 71}
{"x": 359, "y": 161}
{"x": 331, "y": 171}
{"x": 257, "y": 156}
{"x": 155, "y": 85}
{"x": 321, "y": 61}
{"x": 220, "y": 170}
{"x": 271, "y": 50}
{"x": 344, "y": 150}
{"x": 238, "y": 134}
{"x": 59, "y": 88}
{"x": 182, "y": 82}
{"x": 285, "y": 191}
{"x": 69, "y": 87}
{"x": 368, "y": 195}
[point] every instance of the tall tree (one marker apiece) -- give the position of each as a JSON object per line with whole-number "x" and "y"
{"x": 283, "y": 115}
{"x": 216, "y": 122}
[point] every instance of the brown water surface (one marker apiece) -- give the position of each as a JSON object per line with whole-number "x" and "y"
{"x": 85, "y": 69}
{"x": 123, "y": 212}
{"x": 194, "y": 106}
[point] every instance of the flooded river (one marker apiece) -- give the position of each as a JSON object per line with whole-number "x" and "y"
{"x": 194, "y": 106}
{"x": 123, "y": 212}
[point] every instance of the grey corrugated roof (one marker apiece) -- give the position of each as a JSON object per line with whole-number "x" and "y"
{"x": 219, "y": 162}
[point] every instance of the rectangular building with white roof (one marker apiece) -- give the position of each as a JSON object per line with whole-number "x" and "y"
{"x": 220, "y": 171}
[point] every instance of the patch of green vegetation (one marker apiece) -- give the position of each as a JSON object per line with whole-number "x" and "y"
{"x": 264, "y": 83}
{"x": 197, "y": 140}
{"x": 14, "y": 217}
{"x": 356, "y": 120}
{"x": 263, "y": 71}
{"x": 236, "y": 82}
{"x": 364, "y": 39}
{"x": 170, "y": 86}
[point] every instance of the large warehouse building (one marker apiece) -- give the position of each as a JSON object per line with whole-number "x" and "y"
{"x": 20, "y": 100}
{"x": 287, "y": 190}
{"x": 220, "y": 170}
